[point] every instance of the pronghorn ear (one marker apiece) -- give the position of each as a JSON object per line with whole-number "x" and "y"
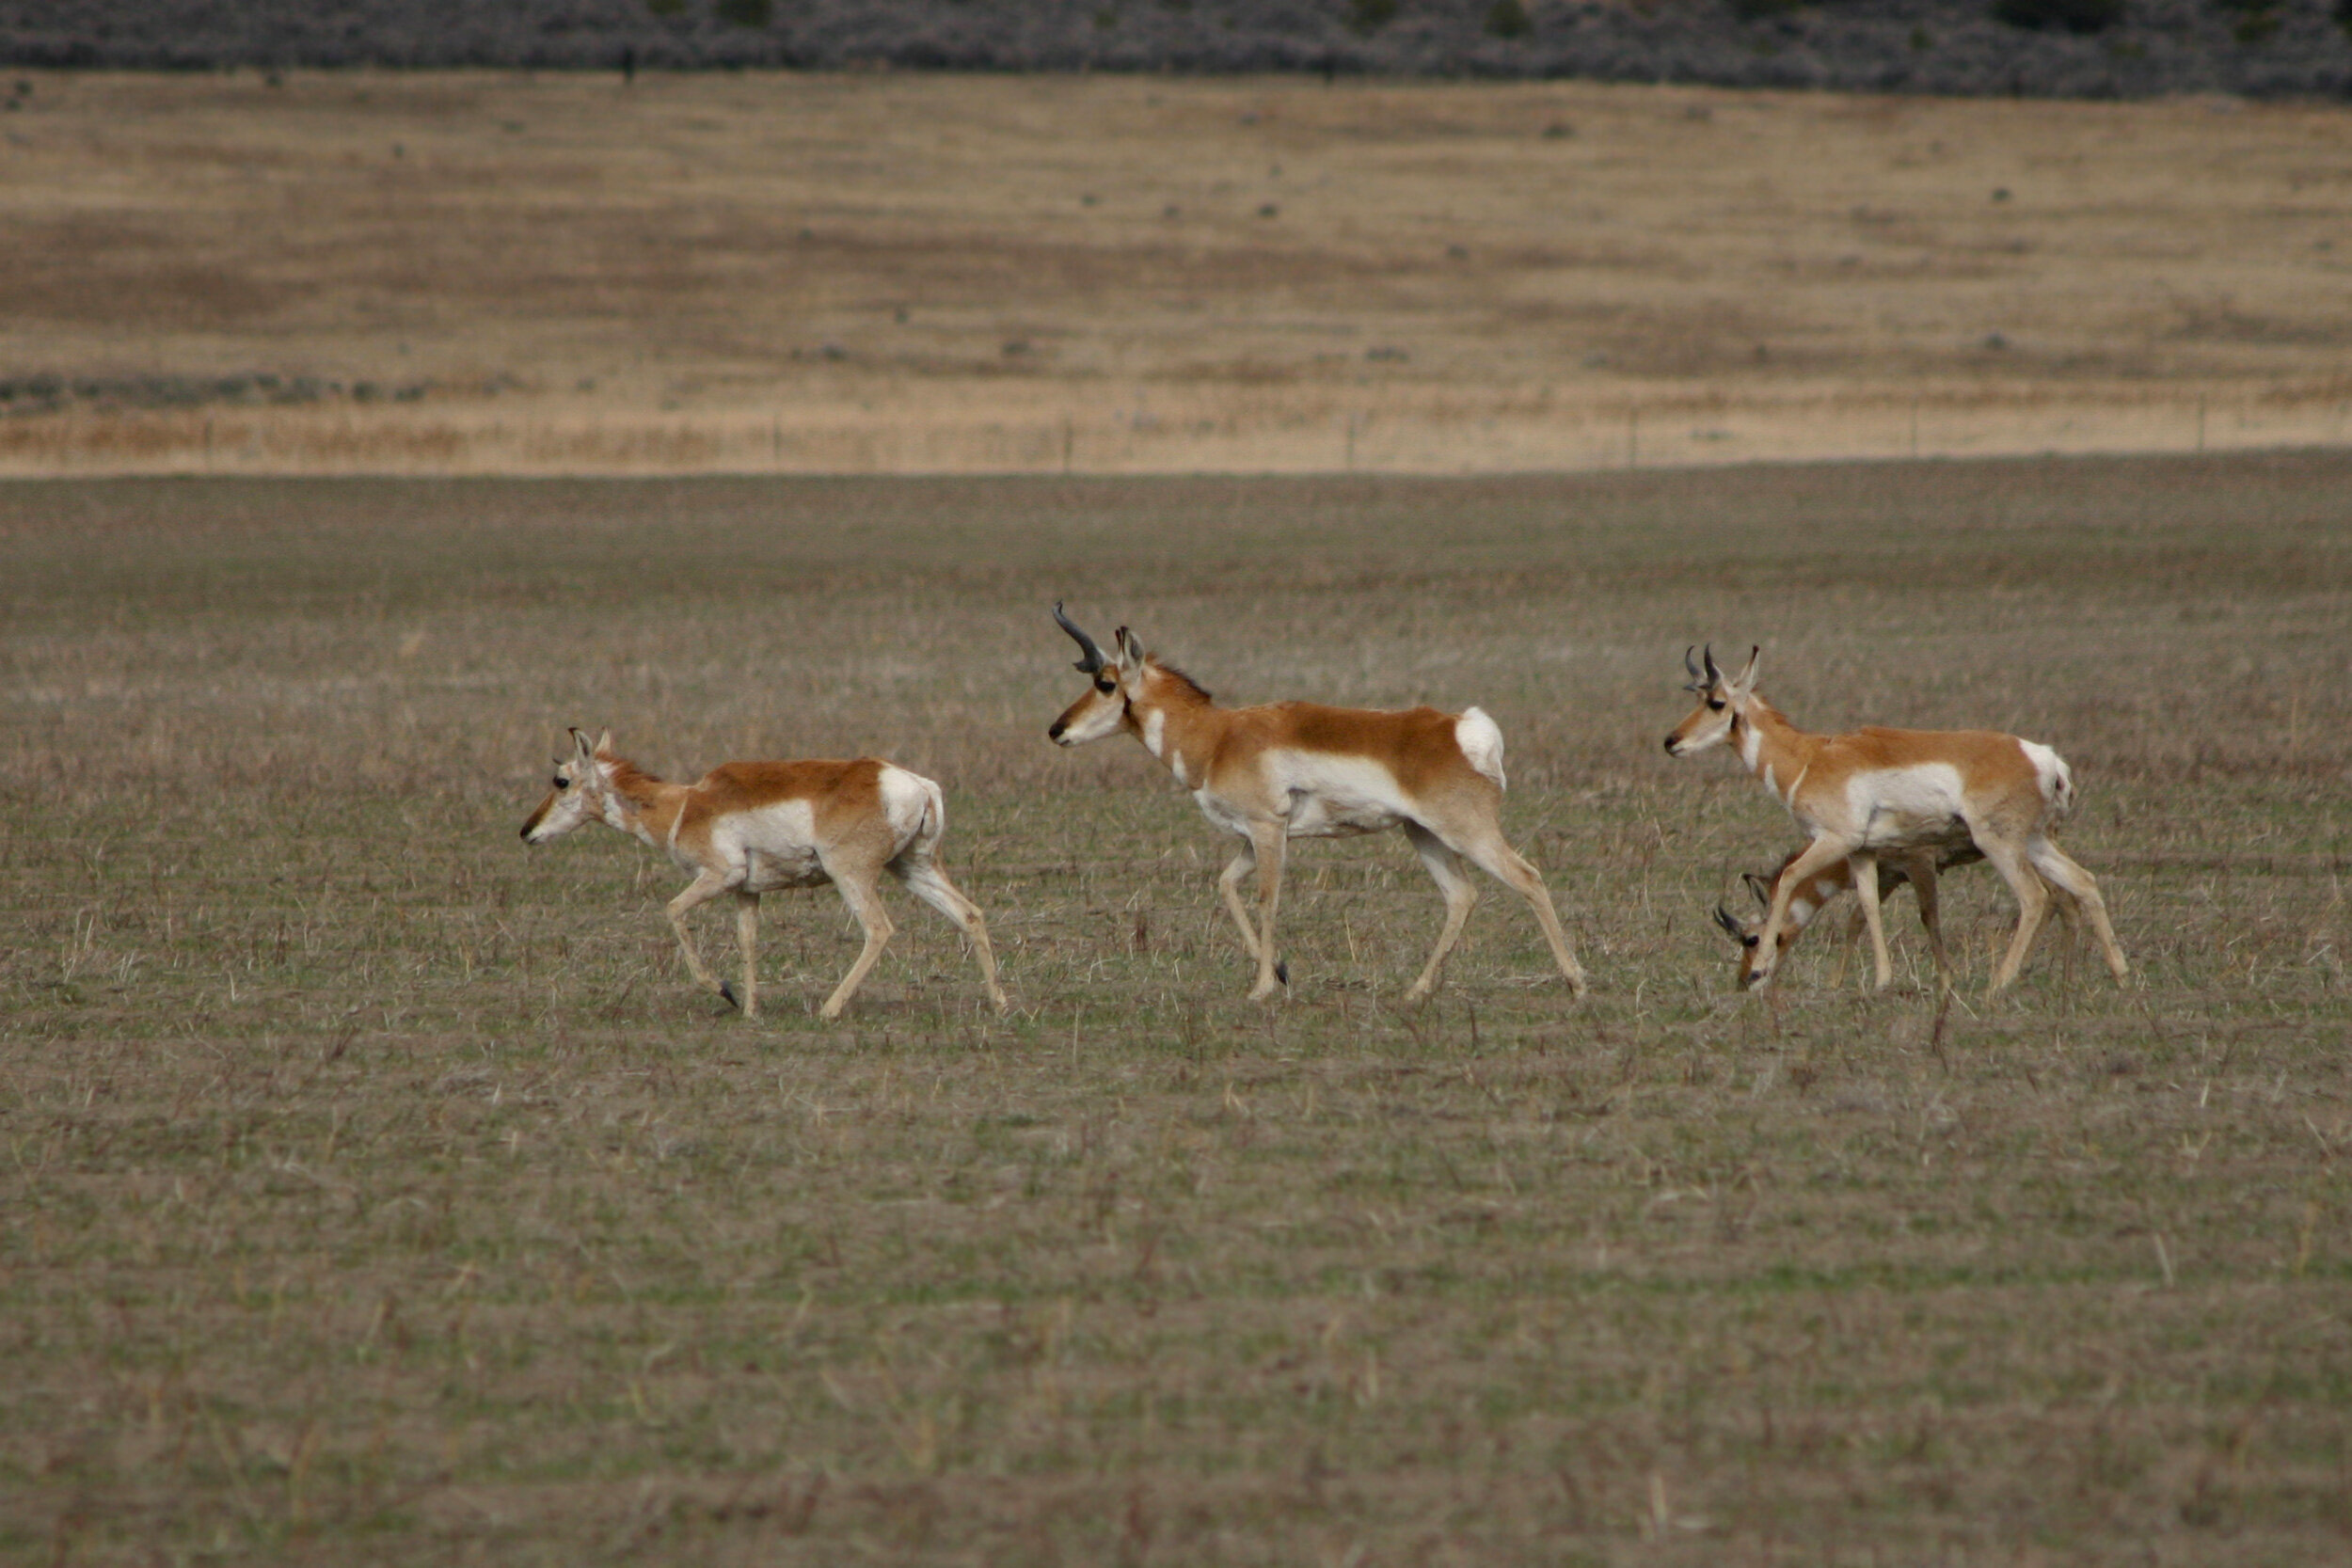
{"x": 582, "y": 749}
{"x": 1746, "y": 682}
{"x": 1129, "y": 651}
{"x": 604, "y": 744}
{"x": 1758, "y": 885}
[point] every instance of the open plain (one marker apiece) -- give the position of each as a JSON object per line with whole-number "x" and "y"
{"x": 395, "y": 272}
{"x": 377, "y": 1190}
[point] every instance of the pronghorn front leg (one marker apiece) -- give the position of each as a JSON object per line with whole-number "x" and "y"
{"x": 1864, "y": 865}
{"x": 699, "y": 891}
{"x": 1229, "y": 885}
{"x": 747, "y": 942}
{"x": 1796, "y": 874}
{"x": 1270, "y": 841}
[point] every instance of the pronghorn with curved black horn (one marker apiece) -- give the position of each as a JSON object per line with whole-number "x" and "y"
{"x": 1300, "y": 770}
{"x": 1915, "y": 869}
{"x": 749, "y": 827}
{"x": 1880, "y": 791}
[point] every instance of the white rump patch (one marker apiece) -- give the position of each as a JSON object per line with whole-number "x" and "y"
{"x": 1481, "y": 740}
{"x": 904, "y": 799}
{"x": 2056, "y": 778}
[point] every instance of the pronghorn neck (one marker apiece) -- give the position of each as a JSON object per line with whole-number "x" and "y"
{"x": 1773, "y": 748}
{"x": 640, "y": 804}
{"x": 1177, "y": 723}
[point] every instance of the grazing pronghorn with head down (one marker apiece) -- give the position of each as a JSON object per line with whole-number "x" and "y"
{"x": 1892, "y": 792}
{"x": 1918, "y": 870}
{"x": 1915, "y": 869}
{"x": 749, "y": 827}
{"x": 1298, "y": 770}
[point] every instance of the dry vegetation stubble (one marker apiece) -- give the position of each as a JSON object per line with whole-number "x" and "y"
{"x": 986, "y": 274}
{"x": 375, "y": 1188}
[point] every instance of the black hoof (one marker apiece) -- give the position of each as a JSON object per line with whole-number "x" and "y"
{"x": 1283, "y": 972}
{"x": 726, "y": 994}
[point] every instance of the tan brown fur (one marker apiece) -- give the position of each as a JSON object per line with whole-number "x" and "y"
{"x": 735, "y": 829}
{"x": 1920, "y": 870}
{"x": 1895, "y": 792}
{"x": 1285, "y": 771}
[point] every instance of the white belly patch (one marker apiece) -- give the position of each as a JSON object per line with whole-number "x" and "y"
{"x": 1333, "y": 796}
{"x": 1904, "y": 806}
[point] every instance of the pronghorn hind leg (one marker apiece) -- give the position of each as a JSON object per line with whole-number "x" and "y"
{"x": 2068, "y": 910}
{"x": 1866, "y": 888}
{"x": 2032, "y": 899}
{"x": 856, "y": 883}
{"x": 747, "y": 943}
{"x": 699, "y": 891}
{"x": 926, "y": 882}
{"x": 1461, "y": 895}
{"x": 1229, "y": 888}
{"x": 1271, "y": 843}
{"x": 1919, "y": 871}
{"x": 2067, "y": 876}
{"x": 1487, "y": 849}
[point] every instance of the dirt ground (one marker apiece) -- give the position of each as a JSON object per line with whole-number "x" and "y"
{"x": 482, "y": 272}
{"x": 375, "y": 1190}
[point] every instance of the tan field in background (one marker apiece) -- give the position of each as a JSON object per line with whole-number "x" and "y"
{"x": 893, "y": 274}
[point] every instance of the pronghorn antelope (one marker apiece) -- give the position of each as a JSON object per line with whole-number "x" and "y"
{"x": 1895, "y": 792}
{"x": 749, "y": 827}
{"x": 1298, "y": 770}
{"x": 1918, "y": 870}
{"x": 1915, "y": 869}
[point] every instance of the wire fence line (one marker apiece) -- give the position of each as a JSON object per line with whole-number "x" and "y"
{"x": 1664, "y": 431}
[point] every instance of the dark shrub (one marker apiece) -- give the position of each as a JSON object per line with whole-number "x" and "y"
{"x": 1508, "y": 19}
{"x": 2075, "y": 16}
{"x": 1369, "y": 16}
{"x": 745, "y": 13}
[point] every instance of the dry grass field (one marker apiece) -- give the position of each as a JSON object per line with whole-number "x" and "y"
{"x": 377, "y": 1190}
{"x": 935, "y": 274}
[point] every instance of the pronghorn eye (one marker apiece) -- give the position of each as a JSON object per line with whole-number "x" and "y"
{"x": 562, "y": 782}
{"x": 1106, "y": 686}
{"x": 1715, "y": 705}
{"x": 1750, "y": 940}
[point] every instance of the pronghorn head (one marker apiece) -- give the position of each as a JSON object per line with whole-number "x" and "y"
{"x": 1749, "y": 933}
{"x": 1723, "y": 702}
{"x": 583, "y": 781}
{"x": 1116, "y": 680}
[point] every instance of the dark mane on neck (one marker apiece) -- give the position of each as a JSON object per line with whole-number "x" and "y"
{"x": 1183, "y": 680}
{"x": 628, "y": 778}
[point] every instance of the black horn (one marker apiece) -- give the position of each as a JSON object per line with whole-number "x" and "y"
{"x": 1093, "y": 662}
{"x": 1723, "y": 918}
{"x": 1712, "y": 674}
